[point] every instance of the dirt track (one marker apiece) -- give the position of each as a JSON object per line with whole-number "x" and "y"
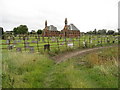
{"x": 65, "y": 56}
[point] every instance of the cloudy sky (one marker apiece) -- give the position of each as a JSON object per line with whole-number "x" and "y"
{"x": 84, "y": 14}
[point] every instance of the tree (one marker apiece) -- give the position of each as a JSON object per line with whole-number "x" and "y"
{"x": 1, "y": 30}
{"x": 39, "y": 31}
{"x": 15, "y": 30}
{"x": 1, "y": 33}
{"x": 110, "y": 32}
{"x": 22, "y": 29}
{"x": 102, "y": 32}
{"x": 118, "y": 31}
{"x": 95, "y": 31}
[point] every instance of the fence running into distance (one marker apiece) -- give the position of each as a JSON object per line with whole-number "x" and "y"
{"x": 41, "y": 44}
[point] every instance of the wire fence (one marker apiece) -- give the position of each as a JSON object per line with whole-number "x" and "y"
{"x": 52, "y": 44}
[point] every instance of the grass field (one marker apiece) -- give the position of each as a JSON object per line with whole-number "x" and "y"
{"x": 98, "y": 69}
{"x": 61, "y": 45}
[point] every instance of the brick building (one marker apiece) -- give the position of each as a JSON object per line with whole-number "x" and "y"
{"x": 50, "y": 31}
{"x": 68, "y": 30}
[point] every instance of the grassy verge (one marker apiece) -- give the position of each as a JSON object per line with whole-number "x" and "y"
{"x": 26, "y": 70}
{"x": 98, "y": 69}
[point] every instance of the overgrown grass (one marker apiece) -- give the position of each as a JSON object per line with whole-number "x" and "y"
{"x": 98, "y": 69}
{"x": 24, "y": 69}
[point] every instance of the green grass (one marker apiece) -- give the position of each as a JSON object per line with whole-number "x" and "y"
{"x": 24, "y": 69}
{"x": 54, "y": 46}
{"x": 32, "y": 70}
{"x": 86, "y": 72}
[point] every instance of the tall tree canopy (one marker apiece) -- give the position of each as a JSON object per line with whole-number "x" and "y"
{"x": 95, "y": 31}
{"x": 22, "y": 29}
{"x": 1, "y": 33}
{"x": 39, "y": 31}
{"x": 103, "y": 31}
{"x": 110, "y": 32}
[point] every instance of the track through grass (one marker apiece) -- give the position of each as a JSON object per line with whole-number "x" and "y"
{"x": 98, "y": 69}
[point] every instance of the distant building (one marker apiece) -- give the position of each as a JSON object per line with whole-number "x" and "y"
{"x": 68, "y": 30}
{"x": 50, "y": 31}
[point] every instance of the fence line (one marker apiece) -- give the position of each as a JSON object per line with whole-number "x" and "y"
{"x": 89, "y": 42}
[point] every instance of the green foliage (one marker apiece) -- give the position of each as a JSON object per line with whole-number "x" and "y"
{"x": 1, "y": 33}
{"x": 78, "y": 73}
{"x": 39, "y": 31}
{"x": 27, "y": 70}
{"x": 118, "y": 31}
{"x": 102, "y": 32}
{"x": 110, "y": 32}
{"x": 95, "y": 31}
{"x": 22, "y": 29}
{"x": 90, "y": 32}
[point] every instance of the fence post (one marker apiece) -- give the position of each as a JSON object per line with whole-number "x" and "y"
{"x": 48, "y": 39}
{"x": 101, "y": 41}
{"x": 24, "y": 43}
{"x": 73, "y": 42}
{"x": 79, "y": 41}
{"x": 104, "y": 40}
{"x": 97, "y": 40}
{"x": 89, "y": 40}
{"x": 8, "y": 42}
{"x": 38, "y": 44}
{"x": 39, "y": 37}
{"x": 58, "y": 44}
{"x": 65, "y": 40}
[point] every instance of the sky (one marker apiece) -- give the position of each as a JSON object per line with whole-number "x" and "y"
{"x": 86, "y": 15}
{"x": 119, "y": 14}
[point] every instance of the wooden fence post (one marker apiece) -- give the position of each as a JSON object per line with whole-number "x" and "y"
{"x": 39, "y": 37}
{"x": 8, "y": 43}
{"x": 65, "y": 40}
{"x": 100, "y": 40}
{"x": 79, "y": 41}
{"x": 48, "y": 39}
{"x": 104, "y": 40}
{"x": 97, "y": 39}
{"x": 38, "y": 44}
{"x": 58, "y": 44}
{"x": 24, "y": 43}
{"x": 89, "y": 40}
{"x": 73, "y": 42}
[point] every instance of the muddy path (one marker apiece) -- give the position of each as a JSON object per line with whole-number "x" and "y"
{"x": 62, "y": 57}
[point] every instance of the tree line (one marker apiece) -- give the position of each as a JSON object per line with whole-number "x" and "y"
{"x": 103, "y": 32}
{"x": 23, "y": 29}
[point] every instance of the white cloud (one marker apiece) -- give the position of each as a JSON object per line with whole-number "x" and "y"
{"x": 85, "y": 14}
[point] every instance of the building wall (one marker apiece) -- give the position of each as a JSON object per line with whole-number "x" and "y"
{"x": 62, "y": 33}
{"x": 70, "y": 33}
